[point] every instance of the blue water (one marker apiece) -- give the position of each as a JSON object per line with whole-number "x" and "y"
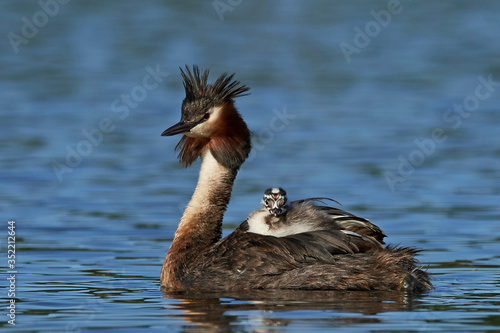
{"x": 396, "y": 118}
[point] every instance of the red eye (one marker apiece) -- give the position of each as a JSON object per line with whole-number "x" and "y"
{"x": 206, "y": 116}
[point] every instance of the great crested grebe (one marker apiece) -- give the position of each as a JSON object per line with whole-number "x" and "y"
{"x": 348, "y": 257}
{"x": 279, "y": 219}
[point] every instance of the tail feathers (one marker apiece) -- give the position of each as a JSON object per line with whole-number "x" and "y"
{"x": 416, "y": 280}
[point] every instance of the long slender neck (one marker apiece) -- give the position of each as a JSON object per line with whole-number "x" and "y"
{"x": 201, "y": 224}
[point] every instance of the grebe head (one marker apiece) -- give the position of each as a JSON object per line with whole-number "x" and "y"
{"x": 275, "y": 201}
{"x": 209, "y": 120}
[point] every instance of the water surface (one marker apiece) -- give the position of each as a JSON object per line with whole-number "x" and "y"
{"x": 381, "y": 131}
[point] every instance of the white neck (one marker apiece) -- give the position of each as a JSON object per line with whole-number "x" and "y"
{"x": 212, "y": 176}
{"x": 201, "y": 225}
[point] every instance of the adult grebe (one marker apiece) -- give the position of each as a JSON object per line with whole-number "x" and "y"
{"x": 278, "y": 218}
{"x": 321, "y": 259}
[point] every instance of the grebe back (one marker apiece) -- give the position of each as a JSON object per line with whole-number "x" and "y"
{"x": 279, "y": 218}
{"x": 198, "y": 259}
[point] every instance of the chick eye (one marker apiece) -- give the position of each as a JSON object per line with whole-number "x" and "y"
{"x": 206, "y": 116}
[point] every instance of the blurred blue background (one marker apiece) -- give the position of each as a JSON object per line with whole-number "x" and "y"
{"x": 390, "y": 107}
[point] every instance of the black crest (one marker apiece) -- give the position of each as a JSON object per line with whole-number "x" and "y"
{"x": 222, "y": 90}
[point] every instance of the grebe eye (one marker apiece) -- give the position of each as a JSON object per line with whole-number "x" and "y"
{"x": 206, "y": 116}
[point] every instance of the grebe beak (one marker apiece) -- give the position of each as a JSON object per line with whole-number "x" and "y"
{"x": 179, "y": 128}
{"x": 277, "y": 208}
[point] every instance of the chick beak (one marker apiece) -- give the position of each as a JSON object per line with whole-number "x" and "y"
{"x": 277, "y": 208}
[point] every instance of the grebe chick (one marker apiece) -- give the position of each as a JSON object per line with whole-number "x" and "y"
{"x": 279, "y": 219}
{"x": 347, "y": 256}
{"x": 270, "y": 219}
{"x": 274, "y": 201}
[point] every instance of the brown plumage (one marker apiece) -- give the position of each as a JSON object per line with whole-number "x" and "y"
{"x": 317, "y": 259}
{"x": 279, "y": 218}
